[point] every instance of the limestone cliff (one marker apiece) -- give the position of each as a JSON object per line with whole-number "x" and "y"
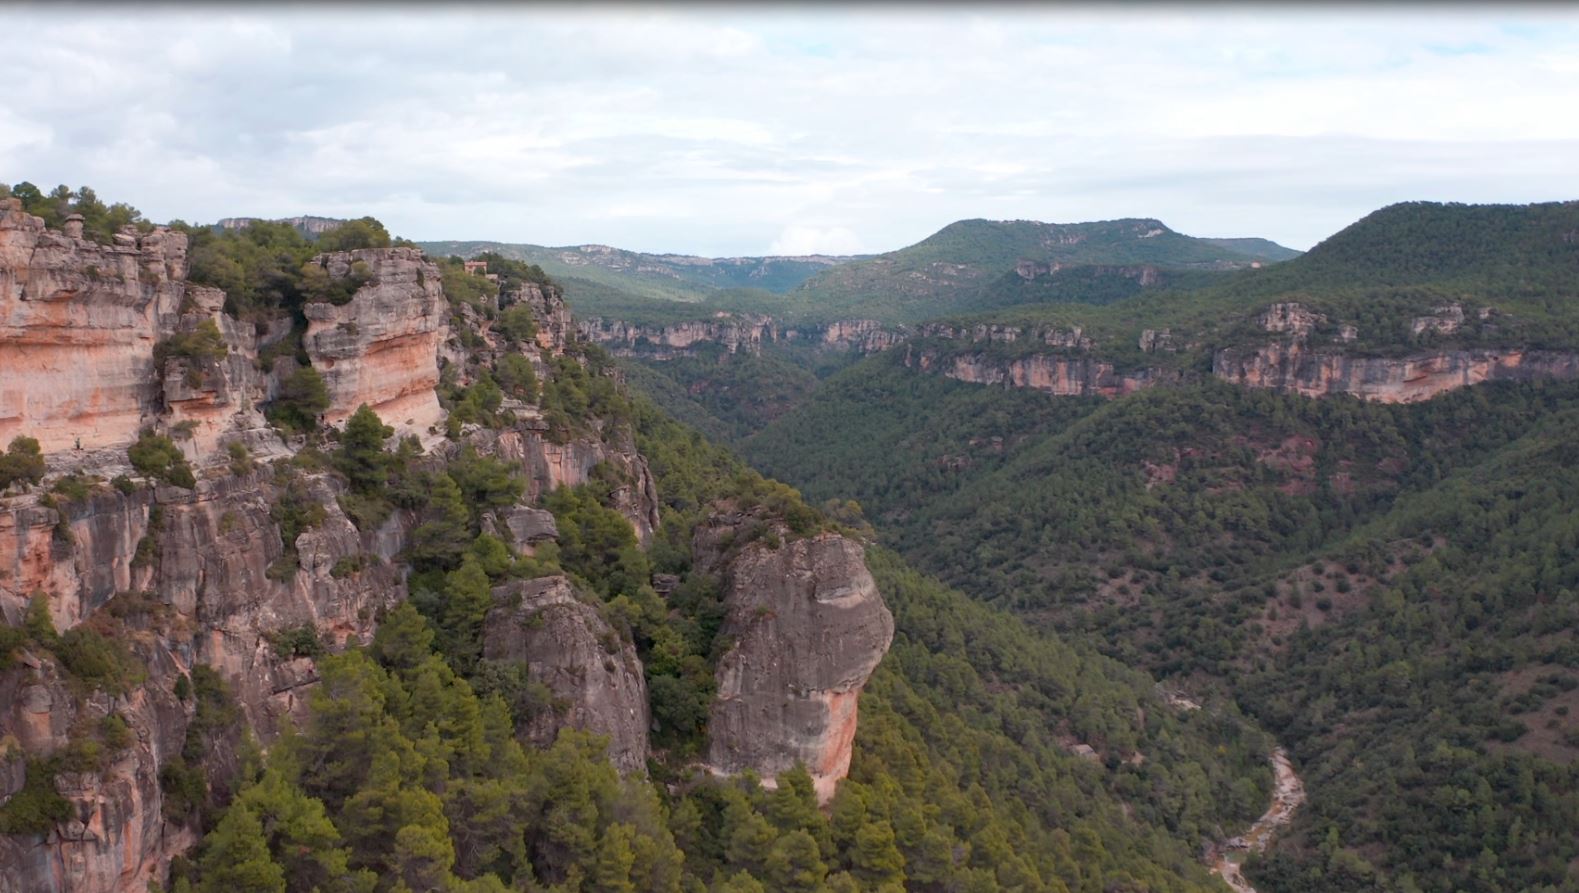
{"x": 1298, "y": 361}
{"x": 593, "y": 674}
{"x": 79, "y": 321}
{"x": 808, "y": 627}
{"x": 382, "y": 347}
{"x": 1301, "y": 369}
{"x": 1054, "y": 374}
{"x": 734, "y": 332}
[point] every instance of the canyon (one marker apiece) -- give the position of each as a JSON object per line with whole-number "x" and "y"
{"x": 202, "y": 577}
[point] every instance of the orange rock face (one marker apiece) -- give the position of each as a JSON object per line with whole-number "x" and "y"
{"x": 382, "y": 348}
{"x": 79, "y": 321}
{"x": 1316, "y": 373}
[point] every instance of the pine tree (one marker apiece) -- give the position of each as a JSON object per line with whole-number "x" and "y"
{"x": 236, "y": 857}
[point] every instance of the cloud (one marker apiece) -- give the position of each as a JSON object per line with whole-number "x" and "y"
{"x": 795, "y": 240}
{"x": 728, "y": 132}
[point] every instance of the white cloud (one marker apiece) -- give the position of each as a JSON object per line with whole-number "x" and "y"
{"x": 816, "y": 240}
{"x": 812, "y": 130}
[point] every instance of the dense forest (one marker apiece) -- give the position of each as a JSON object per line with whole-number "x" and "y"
{"x": 1388, "y": 589}
{"x": 990, "y": 755}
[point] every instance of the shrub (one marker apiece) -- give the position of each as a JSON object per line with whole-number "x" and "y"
{"x": 38, "y": 806}
{"x": 517, "y": 378}
{"x": 204, "y": 343}
{"x": 240, "y": 458}
{"x": 518, "y": 324}
{"x": 73, "y": 486}
{"x": 158, "y": 457}
{"x": 302, "y": 398}
{"x": 297, "y": 641}
{"x": 22, "y": 461}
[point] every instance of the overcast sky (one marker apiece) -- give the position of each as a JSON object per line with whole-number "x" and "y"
{"x": 721, "y": 130}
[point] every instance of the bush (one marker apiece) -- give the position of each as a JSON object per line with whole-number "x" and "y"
{"x": 22, "y": 461}
{"x": 297, "y": 641}
{"x": 158, "y": 457}
{"x": 517, "y": 378}
{"x": 73, "y": 487}
{"x": 204, "y": 343}
{"x": 518, "y": 324}
{"x": 319, "y": 286}
{"x": 38, "y": 806}
{"x": 240, "y": 458}
{"x": 303, "y": 397}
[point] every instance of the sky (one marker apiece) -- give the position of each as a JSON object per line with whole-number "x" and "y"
{"x": 731, "y": 130}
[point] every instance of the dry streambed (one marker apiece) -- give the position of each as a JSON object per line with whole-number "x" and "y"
{"x": 1288, "y": 792}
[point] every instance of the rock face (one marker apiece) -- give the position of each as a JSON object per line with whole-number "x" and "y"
{"x": 738, "y": 332}
{"x": 1061, "y": 376}
{"x": 382, "y": 347}
{"x": 809, "y": 628}
{"x": 554, "y": 325}
{"x": 203, "y": 556}
{"x": 594, "y": 675}
{"x": 116, "y": 838}
{"x": 548, "y": 465}
{"x": 78, "y": 321}
{"x": 1300, "y": 369}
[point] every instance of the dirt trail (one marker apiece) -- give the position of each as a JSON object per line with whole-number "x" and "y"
{"x": 1288, "y": 792}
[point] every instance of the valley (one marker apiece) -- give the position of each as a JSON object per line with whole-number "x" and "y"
{"x": 1267, "y": 486}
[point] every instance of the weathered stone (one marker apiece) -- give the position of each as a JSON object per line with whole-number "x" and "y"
{"x": 528, "y": 526}
{"x": 809, "y": 628}
{"x": 382, "y": 347}
{"x": 589, "y": 668}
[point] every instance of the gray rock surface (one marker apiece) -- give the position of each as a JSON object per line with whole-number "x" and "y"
{"x": 593, "y": 673}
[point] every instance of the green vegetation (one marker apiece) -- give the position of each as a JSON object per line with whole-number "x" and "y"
{"x": 302, "y": 397}
{"x": 158, "y": 457}
{"x": 100, "y": 222}
{"x": 1378, "y": 585}
{"x": 202, "y": 343}
{"x": 22, "y": 461}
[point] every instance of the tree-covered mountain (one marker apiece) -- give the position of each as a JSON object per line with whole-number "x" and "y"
{"x": 381, "y": 579}
{"x": 1384, "y": 583}
{"x": 965, "y": 266}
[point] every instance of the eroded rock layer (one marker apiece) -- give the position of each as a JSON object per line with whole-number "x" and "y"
{"x": 809, "y": 627}
{"x": 571, "y": 650}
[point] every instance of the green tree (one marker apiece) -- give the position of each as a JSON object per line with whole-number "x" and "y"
{"x": 236, "y": 857}
{"x": 441, "y": 538}
{"x": 302, "y": 397}
{"x": 22, "y": 461}
{"x": 361, "y": 457}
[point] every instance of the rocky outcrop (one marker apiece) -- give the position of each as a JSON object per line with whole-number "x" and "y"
{"x": 547, "y": 465}
{"x": 524, "y": 528}
{"x": 382, "y": 347}
{"x": 554, "y": 324}
{"x": 593, "y": 673}
{"x": 734, "y": 332}
{"x": 861, "y": 335}
{"x": 1058, "y": 375}
{"x": 1144, "y": 275}
{"x": 116, "y": 837}
{"x": 808, "y": 627}
{"x": 1298, "y": 368}
{"x": 78, "y": 321}
{"x": 209, "y": 401}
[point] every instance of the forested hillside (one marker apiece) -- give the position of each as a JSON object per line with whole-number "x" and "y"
{"x": 1388, "y": 588}
{"x": 498, "y": 649}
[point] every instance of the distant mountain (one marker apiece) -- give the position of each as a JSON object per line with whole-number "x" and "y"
{"x": 660, "y": 276}
{"x": 309, "y": 226}
{"x": 975, "y": 264}
{"x": 1260, "y": 249}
